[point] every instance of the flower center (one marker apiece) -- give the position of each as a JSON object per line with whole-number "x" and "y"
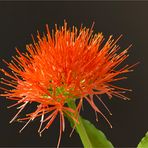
{"x": 60, "y": 93}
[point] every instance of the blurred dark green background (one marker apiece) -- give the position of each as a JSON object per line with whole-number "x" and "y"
{"x": 18, "y": 20}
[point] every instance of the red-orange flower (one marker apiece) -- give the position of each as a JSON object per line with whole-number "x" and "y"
{"x": 70, "y": 64}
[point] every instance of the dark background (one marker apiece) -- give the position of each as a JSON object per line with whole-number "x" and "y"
{"x": 130, "y": 122}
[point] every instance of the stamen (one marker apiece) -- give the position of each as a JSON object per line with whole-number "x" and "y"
{"x": 22, "y": 107}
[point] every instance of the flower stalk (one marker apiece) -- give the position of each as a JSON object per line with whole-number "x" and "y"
{"x": 80, "y": 128}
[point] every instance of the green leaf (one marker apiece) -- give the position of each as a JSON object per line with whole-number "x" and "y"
{"x": 90, "y": 136}
{"x": 95, "y": 136}
{"x": 144, "y": 142}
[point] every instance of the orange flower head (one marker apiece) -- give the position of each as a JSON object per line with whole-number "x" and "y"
{"x": 70, "y": 64}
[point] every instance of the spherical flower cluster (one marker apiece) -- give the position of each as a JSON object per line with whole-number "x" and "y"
{"x": 68, "y": 65}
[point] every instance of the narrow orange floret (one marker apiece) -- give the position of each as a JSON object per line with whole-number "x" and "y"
{"x": 70, "y": 64}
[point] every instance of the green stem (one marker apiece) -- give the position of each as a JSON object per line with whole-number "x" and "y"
{"x": 80, "y": 128}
